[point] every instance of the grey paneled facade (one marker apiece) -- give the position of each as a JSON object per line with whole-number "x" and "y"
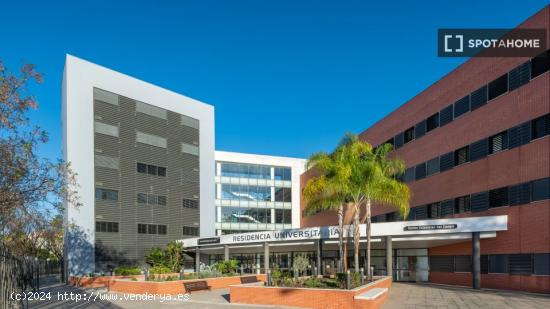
{"x": 157, "y": 139}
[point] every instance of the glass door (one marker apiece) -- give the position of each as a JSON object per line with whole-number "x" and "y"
{"x": 410, "y": 265}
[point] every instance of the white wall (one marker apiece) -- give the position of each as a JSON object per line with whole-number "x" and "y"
{"x": 79, "y": 78}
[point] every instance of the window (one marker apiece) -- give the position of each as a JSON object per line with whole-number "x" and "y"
{"x": 106, "y": 194}
{"x": 142, "y": 198}
{"x": 283, "y": 195}
{"x": 498, "y": 263}
{"x": 462, "y": 155}
{"x": 479, "y": 201}
{"x": 432, "y": 166}
{"x": 247, "y": 193}
{"x": 446, "y": 115}
{"x": 282, "y": 173}
{"x": 141, "y": 168}
{"x": 462, "y": 204}
{"x": 279, "y": 216}
{"x": 519, "y": 135}
{"x": 541, "y": 189}
{"x": 498, "y": 197}
{"x": 520, "y": 264}
{"x": 107, "y": 129}
{"x": 287, "y": 216}
{"x": 420, "y": 171}
{"x": 151, "y": 169}
{"x": 399, "y": 140}
{"x": 478, "y": 150}
{"x": 161, "y": 200}
{"x": 434, "y": 210}
{"x": 142, "y": 228}
{"x": 540, "y": 127}
{"x": 441, "y": 263}
{"x": 390, "y": 141}
{"x": 519, "y": 76}
{"x": 107, "y": 162}
{"x": 151, "y": 199}
{"x": 432, "y": 122}
{"x": 190, "y": 231}
{"x": 421, "y": 212}
{"x": 519, "y": 194}
{"x": 106, "y": 227}
{"x": 151, "y": 229}
{"x": 150, "y": 139}
{"x": 105, "y": 96}
{"x": 498, "y": 142}
{"x": 151, "y": 110}
{"x": 463, "y": 263}
{"x": 161, "y": 229}
{"x": 446, "y": 162}
{"x": 190, "y": 149}
{"x": 540, "y": 64}
{"x": 420, "y": 129}
{"x": 409, "y": 175}
{"x": 498, "y": 87}
{"x": 408, "y": 135}
{"x": 478, "y": 98}
{"x": 462, "y": 106}
{"x": 541, "y": 263}
{"x": 447, "y": 208}
{"x": 190, "y": 203}
{"x": 190, "y": 122}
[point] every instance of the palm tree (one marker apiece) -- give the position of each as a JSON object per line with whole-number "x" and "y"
{"x": 370, "y": 178}
{"x": 324, "y": 192}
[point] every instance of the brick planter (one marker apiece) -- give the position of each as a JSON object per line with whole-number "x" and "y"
{"x": 103, "y": 281}
{"x": 308, "y": 297}
{"x": 171, "y": 287}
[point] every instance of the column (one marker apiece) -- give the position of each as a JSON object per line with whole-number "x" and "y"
{"x": 319, "y": 252}
{"x": 476, "y": 261}
{"x": 197, "y": 259}
{"x": 266, "y": 256}
{"x": 226, "y": 253}
{"x": 389, "y": 256}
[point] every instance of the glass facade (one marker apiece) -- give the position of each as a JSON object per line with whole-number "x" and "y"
{"x": 252, "y": 197}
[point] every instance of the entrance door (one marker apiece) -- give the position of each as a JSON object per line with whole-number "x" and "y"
{"x": 410, "y": 265}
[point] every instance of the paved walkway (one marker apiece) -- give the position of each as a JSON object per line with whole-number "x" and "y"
{"x": 413, "y": 296}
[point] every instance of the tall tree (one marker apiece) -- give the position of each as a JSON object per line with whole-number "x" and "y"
{"x": 325, "y": 192}
{"x": 32, "y": 189}
{"x": 371, "y": 178}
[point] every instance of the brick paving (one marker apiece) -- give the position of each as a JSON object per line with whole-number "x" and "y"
{"x": 413, "y": 296}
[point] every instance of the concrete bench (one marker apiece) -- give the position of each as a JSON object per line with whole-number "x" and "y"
{"x": 371, "y": 294}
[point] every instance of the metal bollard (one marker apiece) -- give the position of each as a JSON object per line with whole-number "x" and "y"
{"x": 146, "y": 273}
{"x": 362, "y": 276}
{"x": 181, "y": 274}
{"x": 242, "y": 270}
{"x": 371, "y": 273}
{"x": 269, "y": 277}
{"x": 348, "y": 279}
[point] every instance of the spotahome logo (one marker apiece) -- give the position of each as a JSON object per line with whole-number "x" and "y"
{"x": 491, "y": 42}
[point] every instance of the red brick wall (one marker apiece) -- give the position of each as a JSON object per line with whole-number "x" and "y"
{"x": 98, "y": 282}
{"x": 305, "y": 298}
{"x": 537, "y": 284}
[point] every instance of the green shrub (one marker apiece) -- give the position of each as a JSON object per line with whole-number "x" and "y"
{"x": 159, "y": 269}
{"x": 226, "y": 267}
{"x": 171, "y": 278}
{"x": 133, "y": 279}
{"x": 209, "y": 274}
{"x": 127, "y": 271}
{"x": 313, "y": 283}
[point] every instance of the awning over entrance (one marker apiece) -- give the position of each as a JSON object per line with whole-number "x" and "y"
{"x": 421, "y": 230}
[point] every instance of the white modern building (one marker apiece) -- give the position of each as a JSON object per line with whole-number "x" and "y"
{"x": 257, "y": 192}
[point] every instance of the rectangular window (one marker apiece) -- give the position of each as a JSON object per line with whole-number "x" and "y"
{"x": 420, "y": 129}
{"x": 399, "y": 140}
{"x": 446, "y": 115}
{"x": 519, "y": 194}
{"x": 190, "y": 122}
{"x": 190, "y": 149}
{"x": 520, "y": 264}
{"x": 409, "y": 175}
{"x": 152, "y": 199}
{"x": 498, "y": 197}
{"x": 142, "y": 228}
{"x": 446, "y": 162}
{"x": 478, "y": 98}
{"x": 432, "y": 167}
{"x": 190, "y": 203}
{"x": 541, "y": 264}
{"x": 282, "y": 173}
{"x": 107, "y": 129}
{"x": 161, "y": 200}
{"x": 151, "y": 110}
{"x": 447, "y": 207}
{"x": 142, "y": 198}
{"x": 540, "y": 127}
{"x": 283, "y": 195}
{"x": 519, "y": 135}
{"x": 287, "y": 216}
{"x": 540, "y": 64}
{"x": 498, "y": 263}
{"x": 441, "y": 263}
{"x": 105, "y": 96}
{"x": 161, "y": 229}
{"x": 141, "y": 168}
{"x": 479, "y": 201}
{"x": 541, "y": 189}
{"x": 161, "y": 171}
{"x": 151, "y": 229}
{"x": 278, "y": 216}
{"x": 390, "y": 141}
{"x": 519, "y": 76}
{"x": 498, "y": 142}
{"x": 498, "y": 87}
{"x": 432, "y": 122}
{"x": 106, "y": 194}
{"x": 107, "y": 162}
{"x": 420, "y": 171}
{"x": 434, "y": 210}
{"x": 463, "y": 263}
{"x": 106, "y": 227}
{"x": 150, "y": 139}
{"x": 408, "y": 135}
{"x": 421, "y": 212}
{"x": 190, "y": 231}
{"x": 479, "y": 149}
{"x": 462, "y": 155}
{"x": 462, "y": 204}
{"x": 152, "y": 170}
{"x": 462, "y": 106}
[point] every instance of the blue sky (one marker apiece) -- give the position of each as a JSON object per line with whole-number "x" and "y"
{"x": 286, "y": 77}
